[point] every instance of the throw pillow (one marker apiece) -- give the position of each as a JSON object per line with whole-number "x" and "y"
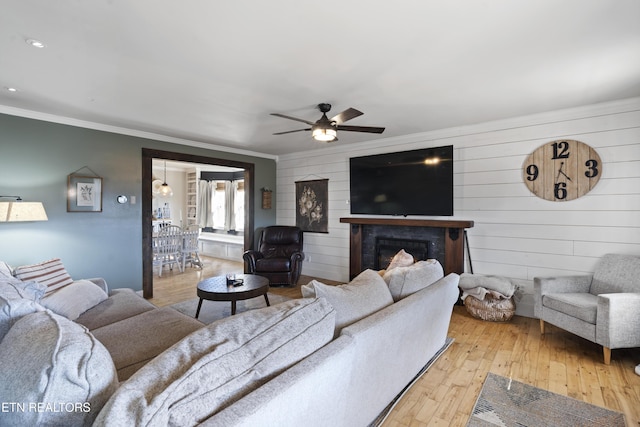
{"x": 364, "y": 295}
{"x": 74, "y": 299}
{"x": 15, "y": 302}
{"x": 220, "y": 363}
{"x": 57, "y": 369}
{"x": 404, "y": 281}
{"x": 5, "y": 270}
{"x": 50, "y": 273}
{"x": 15, "y": 288}
{"x": 401, "y": 259}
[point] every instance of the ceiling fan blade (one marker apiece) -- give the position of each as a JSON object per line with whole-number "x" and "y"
{"x": 369, "y": 129}
{"x": 348, "y": 114}
{"x": 291, "y": 131}
{"x": 292, "y": 118}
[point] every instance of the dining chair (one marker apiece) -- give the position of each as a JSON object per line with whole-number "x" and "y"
{"x": 168, "y": 248}
{"x": 190, "y": 246}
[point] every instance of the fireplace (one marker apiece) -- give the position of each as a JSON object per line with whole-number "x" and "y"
{"x": 444, "y": 240}
{"x": 387, "y": 247}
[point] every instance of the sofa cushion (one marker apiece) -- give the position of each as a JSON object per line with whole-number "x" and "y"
{"x": 134, "y": 341}
{"x": 583, "y": 306}
{"x": 15, "y": 302}
{"x": 50, "y": 273}
{"x": 365, "y": 294}
{"x": 220, "y": 363}
{"x": 121, "y": 304}
{"x": 57, "y": 369}
{"x": 273, "y": 264}
{"x": 73, "y": 300}
{"x": 404, "y": 281}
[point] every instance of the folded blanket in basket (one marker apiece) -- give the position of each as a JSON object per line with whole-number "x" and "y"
{"x": 478, "y": 286}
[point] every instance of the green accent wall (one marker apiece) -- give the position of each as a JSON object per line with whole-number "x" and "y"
{"x": 36, "y": 157}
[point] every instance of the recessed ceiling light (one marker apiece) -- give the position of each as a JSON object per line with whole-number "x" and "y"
{"x": 35, "y": 43}
{"x": 11, "y": 89}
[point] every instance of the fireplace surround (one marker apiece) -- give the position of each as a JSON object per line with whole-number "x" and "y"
{"x": 445, "y": 240}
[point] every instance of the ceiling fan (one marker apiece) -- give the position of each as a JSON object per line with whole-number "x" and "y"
{"x": 325, "y": 129}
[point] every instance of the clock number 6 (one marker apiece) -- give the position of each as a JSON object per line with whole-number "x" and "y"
{"x": 593, "y": 168}
{"x": 532, "y": 172}
{"x": 560, "y": 190}
{"x": 560, "y": 150}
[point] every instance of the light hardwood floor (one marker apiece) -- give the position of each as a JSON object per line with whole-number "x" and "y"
{"x": 559, "y": 362}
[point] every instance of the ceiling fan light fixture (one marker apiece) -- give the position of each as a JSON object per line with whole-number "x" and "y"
{"x": 324, "y": 134}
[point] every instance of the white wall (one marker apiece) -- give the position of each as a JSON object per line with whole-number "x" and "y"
{"x": 516, "y": 234}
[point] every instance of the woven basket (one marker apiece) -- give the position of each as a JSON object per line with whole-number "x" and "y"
{"x": 491, "y": 309}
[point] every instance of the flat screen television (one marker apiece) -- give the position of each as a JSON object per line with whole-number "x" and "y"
{"x": 415, "y": 182}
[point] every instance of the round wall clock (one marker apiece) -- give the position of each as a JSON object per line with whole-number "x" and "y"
{"x": 562, "y": 170}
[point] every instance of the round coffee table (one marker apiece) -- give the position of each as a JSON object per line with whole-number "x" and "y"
{"x": 216, "y": 289}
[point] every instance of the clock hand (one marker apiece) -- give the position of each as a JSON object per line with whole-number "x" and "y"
{"x": 561, "y": 172}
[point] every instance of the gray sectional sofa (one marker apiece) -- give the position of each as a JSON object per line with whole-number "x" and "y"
{"x": 337, "y": 357}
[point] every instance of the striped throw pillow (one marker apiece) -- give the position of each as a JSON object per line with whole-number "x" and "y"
{"x": 50, "y": 273}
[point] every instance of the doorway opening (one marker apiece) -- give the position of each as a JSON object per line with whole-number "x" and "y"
{"x": 147, "y": 200}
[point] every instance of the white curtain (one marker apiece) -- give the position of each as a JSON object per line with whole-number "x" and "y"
{"x": 205, "y": 196}
{"x": 229, "y": 218}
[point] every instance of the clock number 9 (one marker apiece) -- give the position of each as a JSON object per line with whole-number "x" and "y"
{"x": 593, "y": 168}
{"x": 532, "y": 172}
{"x": 560, "y": 190}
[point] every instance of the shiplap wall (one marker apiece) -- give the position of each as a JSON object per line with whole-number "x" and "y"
{"x": 516, "y": 234}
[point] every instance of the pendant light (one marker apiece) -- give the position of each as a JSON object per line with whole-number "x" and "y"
{"x": 165, "y": 190}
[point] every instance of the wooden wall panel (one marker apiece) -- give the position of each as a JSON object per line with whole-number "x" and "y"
{"x": 516, "y": 234}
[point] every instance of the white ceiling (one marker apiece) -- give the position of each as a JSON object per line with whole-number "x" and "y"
{"x": 212, "y": 71}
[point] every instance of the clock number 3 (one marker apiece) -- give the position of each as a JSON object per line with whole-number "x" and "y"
{"x": 592, "y": 166}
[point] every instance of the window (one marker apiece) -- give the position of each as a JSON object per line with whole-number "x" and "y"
{"x": 227, "y": 205}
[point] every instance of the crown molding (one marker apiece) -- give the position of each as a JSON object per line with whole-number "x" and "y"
{"x": 30, "y": 114}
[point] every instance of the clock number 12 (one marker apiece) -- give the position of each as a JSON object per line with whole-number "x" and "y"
{"x": 560, "y": 150}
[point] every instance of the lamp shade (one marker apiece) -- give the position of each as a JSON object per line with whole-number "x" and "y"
{"x": 22, "y": 211}
{"x": 324, "y": 134}
{"x": 165, "y": 190}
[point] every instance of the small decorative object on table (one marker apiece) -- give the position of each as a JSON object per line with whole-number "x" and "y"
{"x": 233, "y": 281}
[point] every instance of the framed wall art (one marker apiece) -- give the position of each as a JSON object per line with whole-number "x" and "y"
{"x": 312, "y": 205}
{"x": 84, "y": 193}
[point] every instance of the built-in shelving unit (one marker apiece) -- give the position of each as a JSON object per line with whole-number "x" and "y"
{"x": 192, "y": 198}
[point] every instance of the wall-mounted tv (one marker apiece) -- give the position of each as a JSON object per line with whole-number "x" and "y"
{"x": 416, "y": 182}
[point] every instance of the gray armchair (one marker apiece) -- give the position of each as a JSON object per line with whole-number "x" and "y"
{"x": 603, "y": 308}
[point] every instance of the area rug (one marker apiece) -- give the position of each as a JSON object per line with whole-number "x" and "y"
{"x": 504, "y": 402}
{"x": 384, "y": 414}
{"x": 216, "y": 310}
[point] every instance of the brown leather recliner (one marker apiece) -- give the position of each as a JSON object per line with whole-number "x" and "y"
{"x": 279, "y": 255}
